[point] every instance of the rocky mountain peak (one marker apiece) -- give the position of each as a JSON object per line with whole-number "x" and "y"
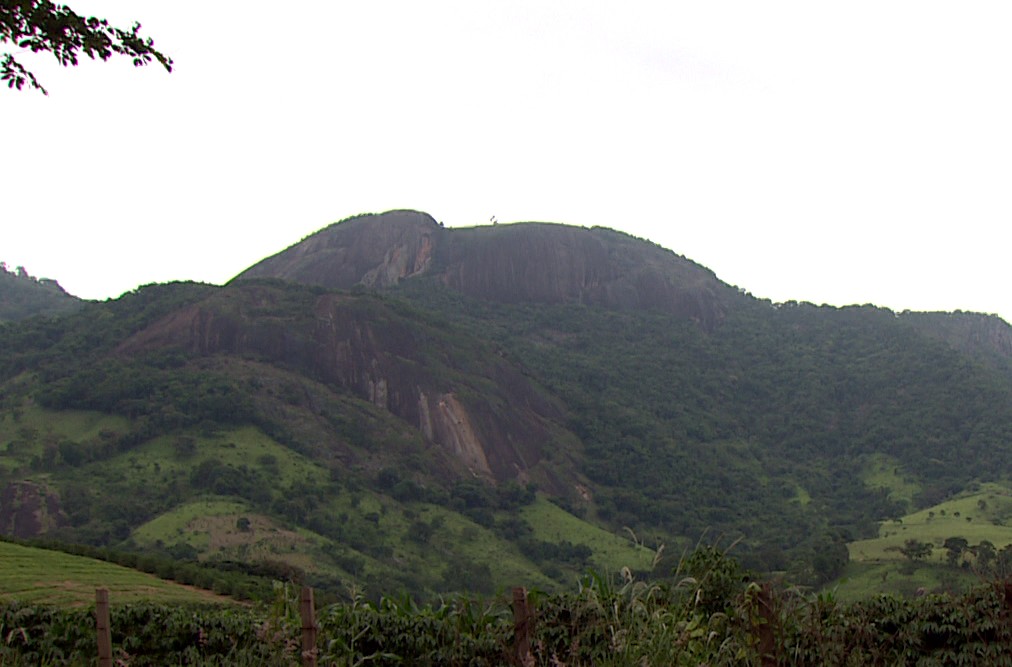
{"x": 373, "y": 250}
{"x": 519, "y": 262}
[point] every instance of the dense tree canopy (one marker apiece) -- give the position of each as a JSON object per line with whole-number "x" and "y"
{"x": 23, "y": 295}
{"x": 41, "y": 25}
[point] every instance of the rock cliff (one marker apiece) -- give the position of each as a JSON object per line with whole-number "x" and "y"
{"x": 373, "y": 250}
{"x": 461, "y": 396}
{"x": 986, "y": 337}
{"x": 522, "y": 262}
{"x": 28, "y": 509}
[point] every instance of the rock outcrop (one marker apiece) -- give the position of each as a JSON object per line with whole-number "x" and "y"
{"x": 29, "y": 509}
{"x": 463, "y": 398}
{"x": 523, "y": 262}
{"x": 372, "y": 250}
{"x": 986, "y": 337}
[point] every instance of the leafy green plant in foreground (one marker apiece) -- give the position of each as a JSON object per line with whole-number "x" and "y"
{"x": 708, "y": 613}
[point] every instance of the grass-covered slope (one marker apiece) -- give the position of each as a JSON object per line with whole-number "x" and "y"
{"x": 948, "y": 546}
{"x": 236, "y": 495}
{"x": 982, "y": 514}
{"x": 42, "y": 576}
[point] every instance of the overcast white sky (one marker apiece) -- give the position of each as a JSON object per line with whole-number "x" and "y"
{"x": 856, "y": 152}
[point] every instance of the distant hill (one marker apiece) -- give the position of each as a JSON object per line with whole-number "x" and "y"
{"x": 22, "y": 295}
{"x": 398, "y": 404}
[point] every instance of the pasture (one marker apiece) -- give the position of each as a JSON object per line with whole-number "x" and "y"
{"x": 42, "y": 577}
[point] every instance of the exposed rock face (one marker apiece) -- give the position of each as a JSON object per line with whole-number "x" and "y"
{"x": 360, "y": 344}
{"x": 28, "y": 509}
{"x": 389, "y": 362}
{"x": 374, "y": 250}
{"x": 526, "y": 262}
{"x": 986, "y": 337}
{"x": 449, "y": 422}
{"x": 550, "y": 263}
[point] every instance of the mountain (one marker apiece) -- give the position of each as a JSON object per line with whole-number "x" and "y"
{"x": 396, "y": 403}
{"x": 485, "y": 417}
{"x": 986, "y": 338}
{"x": 518, "y": 263}
{"x": 22, "y": 295}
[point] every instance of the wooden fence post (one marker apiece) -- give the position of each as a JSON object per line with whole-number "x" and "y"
{"x": 102, "y": 627}
{"x": 523, "y": 627}
{"x": 766, "y": 629}
{"x": 307, "y": 609}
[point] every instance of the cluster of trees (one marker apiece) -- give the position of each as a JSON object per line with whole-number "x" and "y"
{"x": 23, "y": 296}
{"x": 44, "y": 26}
{"x": 170, "y": 398}
{"x": 983, "y": 557}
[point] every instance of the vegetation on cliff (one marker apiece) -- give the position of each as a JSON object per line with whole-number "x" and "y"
{"x": 342, "y": 433}
{"x": 23, "y": 295}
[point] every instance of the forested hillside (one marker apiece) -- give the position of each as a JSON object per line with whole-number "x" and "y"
{"x": 764, "y": 427}
{"x": 413, "y": 407}
{"x": 22, "y": 295}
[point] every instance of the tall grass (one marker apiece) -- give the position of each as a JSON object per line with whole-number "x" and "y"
{"x": 709, "y": 613}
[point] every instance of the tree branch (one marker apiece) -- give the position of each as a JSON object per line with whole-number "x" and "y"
{"x": 41, "y": 25}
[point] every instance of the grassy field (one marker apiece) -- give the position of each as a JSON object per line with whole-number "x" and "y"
{"x": 225, "y": 528}
{"x": 861, "y": 581}
{"x": 883, "y": 472}
{"x": 433, "y": 538}
{"x": 612, "y": 552}
{"x": 976, "y": 515}
{"x": 450, "y": 539}
{"x": 217, "y": 527}
{"x": 181, "y": 524}
{"x": 212, "y": 527}
{"x": 25, "y": 431}
{"x": 877, "y": 566}
{"x": 247, "y": 446}
{"x": 457, "y": 537}
{"x": 41, "y": 576}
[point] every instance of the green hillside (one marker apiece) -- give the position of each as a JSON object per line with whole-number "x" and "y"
{"x": 420, "y": 434}
{"x": 42, "y": 576}
{"x": 266, "y": 505}
{"x": 968, "y": 538}
{"x": 977, "y": 515}
{"x": 22, "y": 295}
{"x": 791, "y": 426}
